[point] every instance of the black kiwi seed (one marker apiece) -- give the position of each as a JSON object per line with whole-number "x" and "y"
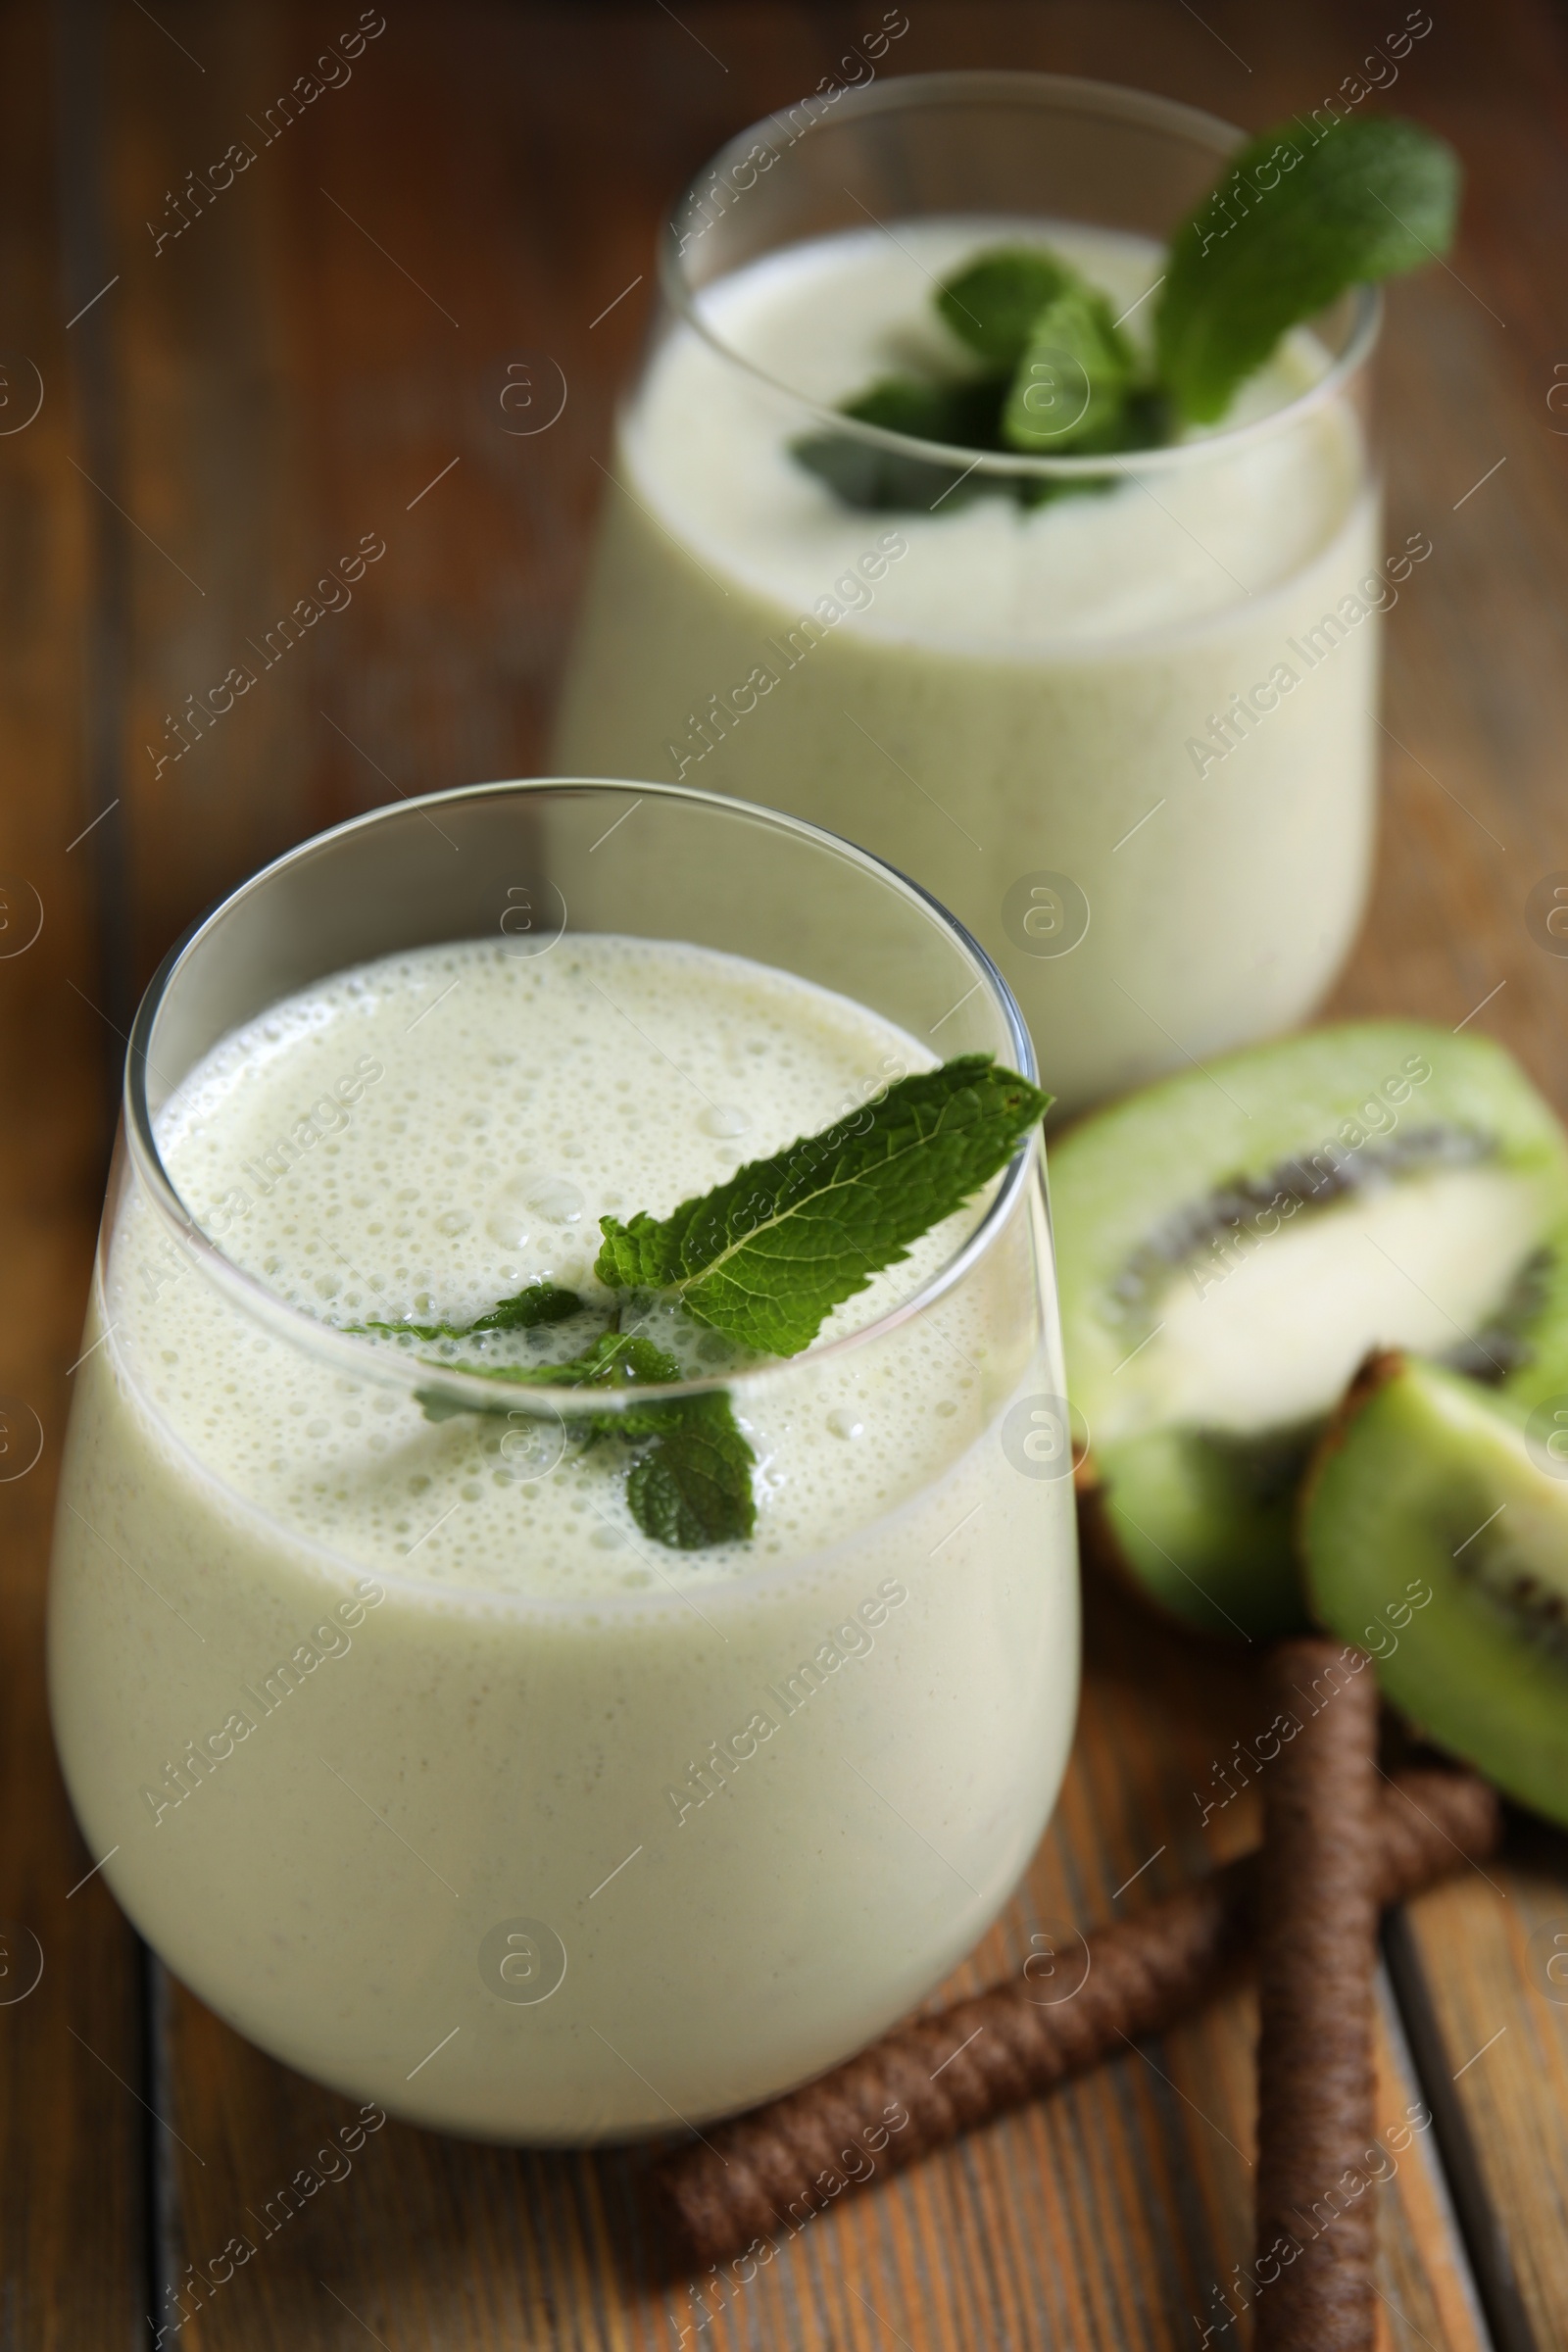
{"x": 1434, "y": 1534}
{"x": 1161, "y": 1200}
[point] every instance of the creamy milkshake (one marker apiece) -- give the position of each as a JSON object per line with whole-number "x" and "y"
{"x": 1126, "y": 735}
{"x": 414, "y": 1755}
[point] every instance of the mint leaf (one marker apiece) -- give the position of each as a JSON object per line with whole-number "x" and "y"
{"x": 966, "y": 415}
{"x": 694, "y": 1487}
{"x": 1297, "y": 217}
{"x": 993, "y": 302}
{"x": 765, "y": 1256}
{"x": 617, "y": 1360}
{"x": 1073, "y": 391}
{"x": 1069, "y": 395}
{"x": 538, "y": 1302}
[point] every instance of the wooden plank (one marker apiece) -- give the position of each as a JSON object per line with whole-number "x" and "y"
{"x": 303, "y": 365}
{"x": 1477, "y": 708}
{"x": 1494, "y": 1967}
{"x": 72, "y": 2130}
{"x": 220, "y": 545}
{"x": 1110, "y": 2214}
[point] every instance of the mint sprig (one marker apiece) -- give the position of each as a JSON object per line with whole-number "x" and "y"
{"x": 1298, "y": 216}
{"x": 617, "y": 1359}
{"x": 691, "y": 1484}
{"x": 1062, "y": 379}
{"x": 993, "y": 302}
{"x": 766, "y": 1256}
{"x": 865, "y": 475}
{"x": 763, "y": 1258}
{"x": 693, "y": 1487}
{"x": 1296, "y": 219}
{"x": 1074, "y": 377}
{"x": 535, "y": 1304}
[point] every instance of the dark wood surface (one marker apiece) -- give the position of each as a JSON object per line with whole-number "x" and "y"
{"x": 235, "y": 409}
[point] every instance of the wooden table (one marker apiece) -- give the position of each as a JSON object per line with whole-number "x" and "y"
{"x": 320, "y": 352}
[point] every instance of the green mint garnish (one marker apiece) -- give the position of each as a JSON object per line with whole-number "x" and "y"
{"x": 768, "y": 1255}
{"x": 964, "y": 416}
{"x": 1062, "y": 379}
{"x": 1074, "y": 377}
{"x": 617, "y": 1360}
{"x": 993, "y": 302}
{"x": 763, "y": 1258}
{"x": 1298, "y": 216}
{"x": 693, "y": 1487}
{"x": 538, "y": 1302}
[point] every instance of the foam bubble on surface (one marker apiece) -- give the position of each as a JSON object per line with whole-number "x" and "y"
{"x": 833, "y": 313}
{"x": 421, "y": 1135}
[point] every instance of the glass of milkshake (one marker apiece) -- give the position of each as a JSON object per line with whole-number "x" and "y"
{"x": 1127, "y": 735}
{"x": 412, "y": 1751}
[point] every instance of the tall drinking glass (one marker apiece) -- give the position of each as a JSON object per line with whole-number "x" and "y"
{"x": 414, "y": 1755}
{"x": 1118, "y": 712}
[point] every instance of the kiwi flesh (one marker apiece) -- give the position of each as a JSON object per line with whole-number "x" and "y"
{"x": 1435, "y": 1535}
{"x": 1233, "y": 1241}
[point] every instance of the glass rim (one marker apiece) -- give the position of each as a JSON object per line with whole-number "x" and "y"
{"x": 361, "y": 1357}
{"x": 1107, "y": 98}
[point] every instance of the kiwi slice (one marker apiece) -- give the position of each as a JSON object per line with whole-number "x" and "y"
{"x": 1435, "y": 1535}
{"x": 1233, "y": 1241}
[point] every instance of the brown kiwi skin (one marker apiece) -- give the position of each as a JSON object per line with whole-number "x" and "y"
{"x": 1220, "y": 1614}
{"x": 1097, "y": 1533}
{"x": 1475, "y": 1090}
{"x": 1096, "y": 1542}
{"x": 1096, "y": 1538}
{"x": 1373, "y": 1373}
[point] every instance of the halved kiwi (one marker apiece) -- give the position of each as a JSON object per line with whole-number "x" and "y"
{"x": 1435, "y": 1535}
{"x": 1233, "y": 1241}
